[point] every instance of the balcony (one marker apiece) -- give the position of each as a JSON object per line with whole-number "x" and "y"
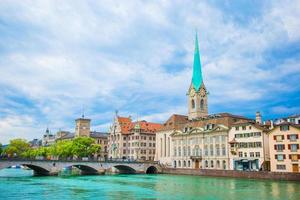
{"x": 196, "y": 157}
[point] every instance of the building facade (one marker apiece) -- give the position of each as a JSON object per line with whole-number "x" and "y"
{"x": 284, "y": 148}
{"x": 132, "y": 140}
{"x": 249, "y": 147}
{"x": 198, "y": 140}
{"x": 48, "y": 138}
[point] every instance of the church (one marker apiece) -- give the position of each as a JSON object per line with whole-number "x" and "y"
{"x": 199, "y": 139}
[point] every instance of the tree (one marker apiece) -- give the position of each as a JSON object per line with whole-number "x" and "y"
{"x": 17, "y": 148}
{"x": 85, "y": 147}
{"x": 63, "y": 149}
{"x": 1, "y": 150}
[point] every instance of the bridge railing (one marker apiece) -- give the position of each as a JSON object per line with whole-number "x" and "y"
{"x": 113, "y": 160}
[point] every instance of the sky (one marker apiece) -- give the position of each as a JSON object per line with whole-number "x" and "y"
{"x": 59, "y": 59}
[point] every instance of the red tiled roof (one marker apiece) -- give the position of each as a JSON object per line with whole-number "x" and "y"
{"x": 146, "y": 127}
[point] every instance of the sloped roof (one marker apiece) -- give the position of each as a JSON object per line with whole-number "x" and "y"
{"x": 127, "y": 125}
{"x": 95, "y": 134}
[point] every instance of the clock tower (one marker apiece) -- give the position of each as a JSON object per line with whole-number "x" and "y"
{"x": 197, "y": 93}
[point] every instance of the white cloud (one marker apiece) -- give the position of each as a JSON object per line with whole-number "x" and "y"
{"x": 107, "y": 55}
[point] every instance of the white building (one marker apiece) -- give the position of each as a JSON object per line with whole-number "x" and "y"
{"x": 249, "y": 147}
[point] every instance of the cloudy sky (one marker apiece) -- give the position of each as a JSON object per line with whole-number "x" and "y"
{"x": 58, "y": 58}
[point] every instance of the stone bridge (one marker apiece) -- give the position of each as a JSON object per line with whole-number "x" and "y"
{"x": 53, "y": 167}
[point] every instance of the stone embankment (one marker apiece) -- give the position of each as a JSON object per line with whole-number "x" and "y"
{"x": 235, "y": 174}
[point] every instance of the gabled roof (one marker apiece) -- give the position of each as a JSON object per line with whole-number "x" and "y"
{"x": 127, "y": 125}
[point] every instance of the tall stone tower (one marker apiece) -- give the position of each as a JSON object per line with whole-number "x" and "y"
{"x": 197, "y": 93}
{"x": 83, "y": 127}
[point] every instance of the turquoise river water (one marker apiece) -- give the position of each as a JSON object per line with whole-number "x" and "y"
{"x": 20, "y": 184}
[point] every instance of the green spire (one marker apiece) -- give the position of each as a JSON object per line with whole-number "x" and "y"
{"x": 197, "y": 71}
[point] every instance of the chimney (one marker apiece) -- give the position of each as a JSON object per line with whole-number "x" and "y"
{"x": 258, "y": 118}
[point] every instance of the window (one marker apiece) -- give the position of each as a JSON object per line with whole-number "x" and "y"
{"x": 257, "y": 154}
{"x": 184, "y": 163}
{"x": 211, "y": 150}
{"x": 206, "y": 164}
{"x": 280, "y": 157}
{"x": 280, "y": 167}
{"x": 292, "y": 137}
{"x": 217, "y": 150}
{"x": 294, "y": 157}
{"x": 193, "y": 103}
{"x": 212, "y": 164}
{"x": 278, "y": 138}
{"x": 202, "y": 104}
{"x": 223, "y": 138}
{"x": 224, "y": 164}
{"x": 284, "y": 128}
{"x": 294, "y": 147}
{"x": 124, "y": 151}
{"x": 240, "y": 154}
{"x": 218, "y": 164}
{"x": 124, "y": 144}
{"x": 245, "y": 154}
{"x": 244, "y": 127}
{"x": 223, "y": 150}
{"x": 179, "y": 151}
{"x": 205, "y": 150}
{"x": 251, "y": 154}
{"x": 184, "y": 151}
{"x": 236, "y": 128}
{"x": 189, "y": 150}
{"x": 279, "y": 147}
{"x": 189, "y": 163}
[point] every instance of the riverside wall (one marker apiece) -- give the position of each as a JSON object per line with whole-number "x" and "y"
{"x": 235, "y": 174}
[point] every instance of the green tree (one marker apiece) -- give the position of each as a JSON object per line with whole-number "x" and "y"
{"x": 85, "y": 147}
{"x": 17, "y": 147}
{"x": 63, "y": 149}
{"x": 1, "y": 150}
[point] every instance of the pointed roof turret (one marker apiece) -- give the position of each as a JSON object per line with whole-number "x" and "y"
{"x": 197, "y": 71}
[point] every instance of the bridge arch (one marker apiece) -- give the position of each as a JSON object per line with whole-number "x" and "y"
{"x": 152, "y": 170}
{"x": 85, "y": 169}
{"x": 124, "y": 169}
{"x": 37, "y": 170}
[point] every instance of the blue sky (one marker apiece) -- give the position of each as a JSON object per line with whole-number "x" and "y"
{"x": 58, "y": 57}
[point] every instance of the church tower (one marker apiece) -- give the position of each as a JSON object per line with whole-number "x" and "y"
{"x": 197, "y": 94}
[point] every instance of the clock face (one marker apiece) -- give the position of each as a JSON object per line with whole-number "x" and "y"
{"x": 202, "y": 92}
{"x": 192, "y": 93}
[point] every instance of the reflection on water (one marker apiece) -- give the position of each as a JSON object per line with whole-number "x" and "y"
{"x": 19, "y": 184}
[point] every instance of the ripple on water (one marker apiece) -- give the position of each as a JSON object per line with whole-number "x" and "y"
{"x": 18, "y": 184}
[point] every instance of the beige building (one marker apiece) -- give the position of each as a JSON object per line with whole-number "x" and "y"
{"x": 284, "y": 148}
{"x": 249, "y": 146}
{"x": 132, "y": 140}
{"x": 198, "y": 140}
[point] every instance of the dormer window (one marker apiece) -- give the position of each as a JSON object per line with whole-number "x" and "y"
{"x": 284, "y": 128}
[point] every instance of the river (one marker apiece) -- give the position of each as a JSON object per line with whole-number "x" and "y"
{"x": 20, "y": 184}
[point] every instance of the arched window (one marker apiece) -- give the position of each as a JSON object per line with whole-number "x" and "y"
{"x": 202, "y": 104}
{"x": 212, "y": 164}
{"x": 224, "y": 164}
{"x": 184, "y": 163}
{"x": 206, "y": 164}
{"x": 174, "y": 163}
{"x": 179, "y": 163}
{"x": 218, "y": 164}
{"x": 189, "y": 163}
{"x": 193, "y": 103}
